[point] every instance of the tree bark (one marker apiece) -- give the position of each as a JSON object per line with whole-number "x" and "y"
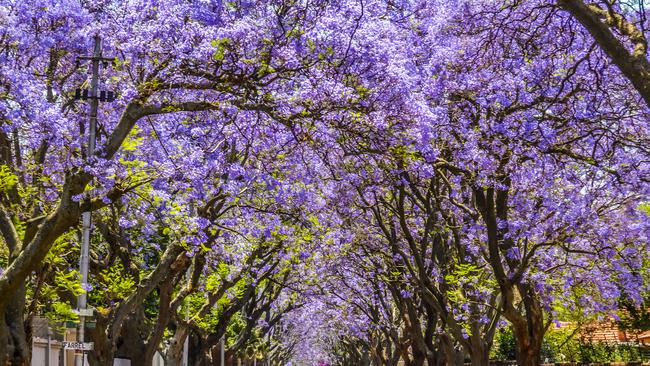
{"x": 131, "y": 341}
{"x": 479, "y": 355}
{"x": 175, "y": 351}
{"x": 162, "y": 320}
{"x": 529, "y": 334}
{"x": 15, "y": 320}
{"x": 447, "y": 351}
{"x": 5, "y": 346}
{"x": 102, "y": 354}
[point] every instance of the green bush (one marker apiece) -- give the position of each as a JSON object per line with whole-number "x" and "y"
{"x": 504, "y": 348}
{"x": 562, "y": 345}
{"x": 601, "y": 352}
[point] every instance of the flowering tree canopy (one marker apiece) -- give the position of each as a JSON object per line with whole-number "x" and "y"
{"x": 323, "y": 182}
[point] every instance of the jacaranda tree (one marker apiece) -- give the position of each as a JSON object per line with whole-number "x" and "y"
{"x": 357, "y": 182}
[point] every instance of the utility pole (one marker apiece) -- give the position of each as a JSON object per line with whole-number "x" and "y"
{"x": 49, "y": 345}
{"x": 186, "y": 343}
{"x": 94, "y": 98}
{"x": 222, "y": 350}
{"x": 188, "y": 276}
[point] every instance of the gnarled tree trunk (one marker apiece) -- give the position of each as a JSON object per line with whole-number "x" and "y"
{"x": 15, "y": 322}
{"x": 177, "y": 345}
{"x": 102, "y": 354}
{"x": 529, "y": 332}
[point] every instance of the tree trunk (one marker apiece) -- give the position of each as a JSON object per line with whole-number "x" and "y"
{"x": 102, "y": 354}
{"x": 5, "y": 347}
{"x": 418, "y": 359}
{"x": 528, "y": 327}
{"x": 528, "y": 347}
{"x": 479, "y": 355}
{"x": 529, "y": 331}
{"x": 447, "y": 352}
{"x": 132, "y": 338}
{"x": 176, "y": 347}
{"x": 15, "y": 321}
{"x": 194, "y": 341}
{"x": 477, "y": 347}
{"x": 603, "y": 26}
{"x": 162, "y": 320}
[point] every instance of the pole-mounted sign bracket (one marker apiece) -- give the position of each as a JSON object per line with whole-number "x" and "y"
{"x": 84, "y": 94}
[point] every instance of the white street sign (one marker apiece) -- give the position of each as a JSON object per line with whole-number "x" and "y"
{"x": 84, "y": 312}
{"x": 87, "y": 346}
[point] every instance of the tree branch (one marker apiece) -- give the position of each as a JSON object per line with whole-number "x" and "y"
{"x": 599, "y": 23}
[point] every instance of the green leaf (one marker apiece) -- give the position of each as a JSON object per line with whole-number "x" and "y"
{"x": 220, "y": 44}
{"x": 7, "y": 179}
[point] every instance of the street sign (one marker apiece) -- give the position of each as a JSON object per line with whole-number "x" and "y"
{"x": 86, "y": 346}
{"x": 84, "y": 312}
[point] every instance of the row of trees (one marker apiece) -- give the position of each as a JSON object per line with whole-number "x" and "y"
{"x": 190, "y": 239}
{"x": 512, "y": 202}
{"x": 366, "y": 181}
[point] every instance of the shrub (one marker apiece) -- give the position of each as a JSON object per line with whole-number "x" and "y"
{"x": 561, "y": 345}
{"x": 504, "y": 345}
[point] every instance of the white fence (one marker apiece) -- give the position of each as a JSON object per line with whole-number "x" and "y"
{"x": 60, "y": 357}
